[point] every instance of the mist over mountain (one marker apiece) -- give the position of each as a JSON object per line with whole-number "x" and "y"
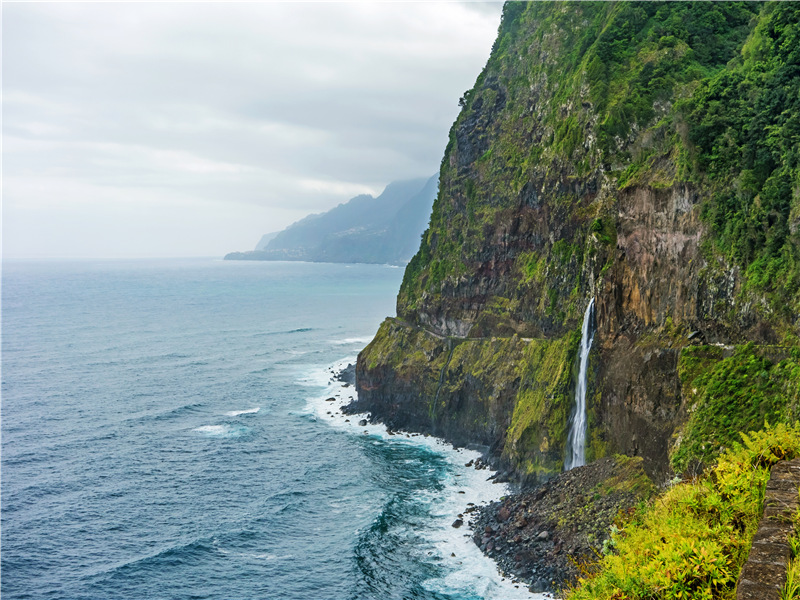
{"x": 365, "y": 229}
{"x": 266, "y": 239}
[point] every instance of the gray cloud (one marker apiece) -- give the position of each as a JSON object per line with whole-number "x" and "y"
{"x": 190, "y": 129}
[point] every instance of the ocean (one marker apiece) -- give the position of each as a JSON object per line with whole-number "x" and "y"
{"x": 167, "y": 433}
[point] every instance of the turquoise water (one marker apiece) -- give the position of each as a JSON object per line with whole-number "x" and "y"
{"x": 165, "y": 436}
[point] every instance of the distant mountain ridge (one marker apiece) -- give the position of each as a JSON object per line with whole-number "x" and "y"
{"x": 266, "y": 239}
{"x": 382, "y": 230}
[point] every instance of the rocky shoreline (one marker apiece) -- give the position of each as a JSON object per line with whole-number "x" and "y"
{"x": 544, "y": 536}
{"x": 540, "y": 537}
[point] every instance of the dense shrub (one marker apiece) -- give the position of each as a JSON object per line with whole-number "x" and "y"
{"x": 693, "y": 540}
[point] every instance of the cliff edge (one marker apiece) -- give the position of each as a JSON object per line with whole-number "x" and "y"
{"x": 645, "y": 155}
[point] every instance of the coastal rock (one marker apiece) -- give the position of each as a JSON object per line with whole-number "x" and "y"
{"x": 347, "y": 375}
{"x": 566, "y": 520}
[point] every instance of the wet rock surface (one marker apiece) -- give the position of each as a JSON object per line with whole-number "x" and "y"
{"x": 347, "y": 375}
{"x": 538, "y": 537}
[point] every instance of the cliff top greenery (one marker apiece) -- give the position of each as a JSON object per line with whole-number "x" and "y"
{"x": 579, "y": 95}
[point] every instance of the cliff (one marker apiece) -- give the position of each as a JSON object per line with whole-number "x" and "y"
{"x": 383, "y": 230}
{"x": 645, "y": 155}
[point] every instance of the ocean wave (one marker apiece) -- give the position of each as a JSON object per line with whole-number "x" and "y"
{"x": 351, "y": 340}
{"x": 246, "y": 411}
{"x": 285, "y": 332}
{"x": 323, "y": 376}
{"x": 172, "y": 557}
{"x": 171, "y": 413}
{"x": 223, "y": 431}
{"x": 463, "y": 568}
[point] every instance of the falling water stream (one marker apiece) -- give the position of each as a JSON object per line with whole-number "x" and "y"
{"x": 576, "y": 442}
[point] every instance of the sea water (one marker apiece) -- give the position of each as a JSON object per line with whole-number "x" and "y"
{"x": 167, "y": 433}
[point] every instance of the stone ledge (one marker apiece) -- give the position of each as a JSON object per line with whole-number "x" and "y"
{"x": 765, "y": 552}
{"x": 771, "y": 532}
{"x": 764, "y": 574}
{"x": 767, "y": 573}
{"x": 750, "y": 590}
{"x": 780, "y": 514}
{"x": 783, "y": 485}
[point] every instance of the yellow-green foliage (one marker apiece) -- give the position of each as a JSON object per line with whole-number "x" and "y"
{"x": 532, "y": 267}
{"x": 692, "y": 541}
{"x": 539, "y": 424}
{"x": 494, "y": 360}
{"x": 791, "y": 591}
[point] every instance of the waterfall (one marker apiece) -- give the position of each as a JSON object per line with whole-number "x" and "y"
{"x": 576, "y": 442}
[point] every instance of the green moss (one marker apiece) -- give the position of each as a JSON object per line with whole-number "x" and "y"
{"x": 532, "y": 266}
{"x": 598, "y": 445}
{"x": 630, "y": 478}
{"x": 409, "y": 352}
{"x": 537, "y": 434}
{"x": 727, "y": 395}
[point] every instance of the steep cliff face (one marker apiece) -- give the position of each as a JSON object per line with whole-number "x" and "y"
{"x": 642, "y": 154}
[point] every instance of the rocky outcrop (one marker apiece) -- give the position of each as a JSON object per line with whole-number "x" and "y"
{"x": 542, "y": 537}
{"x": 489, "y": 392}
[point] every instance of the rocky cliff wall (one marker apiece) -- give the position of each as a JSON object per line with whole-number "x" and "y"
{"x": 575, "y": 170}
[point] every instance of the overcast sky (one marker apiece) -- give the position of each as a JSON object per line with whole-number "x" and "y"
{"x": 178, "y": 129}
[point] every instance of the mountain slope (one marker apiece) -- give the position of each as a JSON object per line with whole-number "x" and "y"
{"x": 265, "y": 239}
{"x": 641, "y": 154}
{"x": 385, "y": 229}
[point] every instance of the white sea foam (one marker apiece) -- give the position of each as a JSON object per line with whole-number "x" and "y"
{"x": 247, "y": 411}
{"x": 256, "y": 555}
{"x": 220, "y": 430}
{"x": 469, "y": 572}
{"x": 363, "y": 341}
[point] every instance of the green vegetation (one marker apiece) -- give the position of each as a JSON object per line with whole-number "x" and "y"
{"x": 631, "y": 478}
{"x": 745, "y": 123}
{"x": 705, "y": 94}
{"x": 410, "y": 352}
{"x": 537, "y": 434}
{"x": 692, "y": 541}
{"x": 733, "y": 394}
{"x": 791, "y": 590}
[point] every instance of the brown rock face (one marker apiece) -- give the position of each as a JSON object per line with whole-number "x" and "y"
{"x": 655, "y": 275}
{"x": 541, "y": 209}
